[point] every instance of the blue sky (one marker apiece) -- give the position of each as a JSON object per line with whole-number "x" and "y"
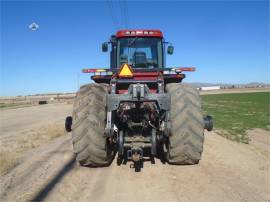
{"x": 227, "y": 41}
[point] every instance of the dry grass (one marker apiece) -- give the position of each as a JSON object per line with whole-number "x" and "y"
{"x": 12, "y": 105}
{"x": 8, "y": 161}
{"x": 13, "y": 148}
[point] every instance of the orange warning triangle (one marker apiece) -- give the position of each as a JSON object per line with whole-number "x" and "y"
{"x": 126, "y": 71}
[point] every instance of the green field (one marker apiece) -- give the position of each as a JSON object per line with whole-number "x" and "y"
{"x": 235, "y": 113}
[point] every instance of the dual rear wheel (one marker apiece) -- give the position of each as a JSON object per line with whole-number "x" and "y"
{"x": 184, "y": 145}
{"x": 89, "y": 117}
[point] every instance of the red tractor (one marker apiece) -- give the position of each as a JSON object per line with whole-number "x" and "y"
{"x": 137, "y": 108}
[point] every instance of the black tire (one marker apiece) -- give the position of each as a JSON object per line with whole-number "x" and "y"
{"x": 68, "y": 123}
{"x": 89, "y": 117}
{"x": 185, "y": 143}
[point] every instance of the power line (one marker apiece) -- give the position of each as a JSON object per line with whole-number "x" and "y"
{"x": 111, "y": 11}
{"x": 122, "y": 11}
{"x": 124, "y": 16}
{"x": 126, "y": 13}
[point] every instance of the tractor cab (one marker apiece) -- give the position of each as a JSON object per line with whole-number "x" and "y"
{"x": 144, "y": 52}
{"x": 137, "y": 48}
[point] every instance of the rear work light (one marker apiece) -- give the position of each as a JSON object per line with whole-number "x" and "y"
{"x": 184, "y": 69}
{"x": 177, "y": 70}
{"x": 126, "y": 71}
{"x": 98, "y": 71}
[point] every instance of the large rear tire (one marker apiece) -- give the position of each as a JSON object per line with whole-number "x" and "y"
{"x": 185, "y": 144}
{"x": 89, "y": 117}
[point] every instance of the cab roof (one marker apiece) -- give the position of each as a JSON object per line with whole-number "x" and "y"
{"x": 139, "y": 32}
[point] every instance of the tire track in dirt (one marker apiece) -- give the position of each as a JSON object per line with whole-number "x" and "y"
{"x": 228, "y": 171}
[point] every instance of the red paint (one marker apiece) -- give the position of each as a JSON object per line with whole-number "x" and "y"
{"x": 153, "y": 90}
{"x": 126, "y": 91}
{"x": 122, "y": 91}
{"x": 145, "y": 76}
{"x": 139, "y": 32}
{"x": 138, "y": 74}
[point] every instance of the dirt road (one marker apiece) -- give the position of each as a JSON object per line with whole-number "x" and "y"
{"x": 228, "y": 171}
{"x": 17, "y": 120}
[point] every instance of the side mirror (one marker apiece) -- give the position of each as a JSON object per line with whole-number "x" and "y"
{"x": 170, "y": 50}
{"x": 105, "y": 47}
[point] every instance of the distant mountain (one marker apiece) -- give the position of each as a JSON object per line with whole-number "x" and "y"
{"x": 229, "y": 85}
{"x": 257, "y": 84}
{"x": 198, "y": 84}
